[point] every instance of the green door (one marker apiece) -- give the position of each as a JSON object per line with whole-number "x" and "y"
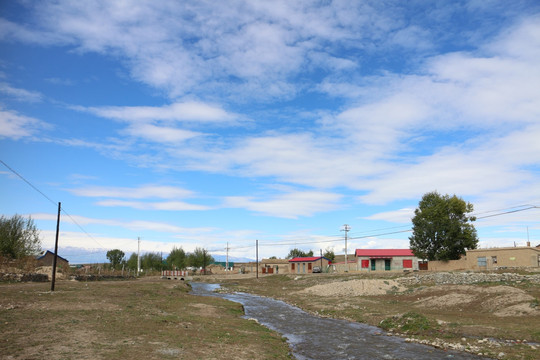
{"x": 387, "y": 264}
{"x": 373, "y": 264}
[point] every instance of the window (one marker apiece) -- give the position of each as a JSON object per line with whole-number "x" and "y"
{"x": 407, "y": 264}
{"x": 493, "y": 259}
{"x": 482, "y": 261}
{"x": 365, "y": 264}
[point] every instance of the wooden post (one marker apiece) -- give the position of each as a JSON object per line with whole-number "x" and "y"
{"x": 53, "y": 279}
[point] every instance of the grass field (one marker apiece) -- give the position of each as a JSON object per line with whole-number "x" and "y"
{"x": 147, "y": 318}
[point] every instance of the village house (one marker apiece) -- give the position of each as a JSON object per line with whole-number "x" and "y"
{"x": 274, "y": 266}
{"x": 492, "y": 259}
{"x": 305, "y": 265}
{"x": 46, "y": 259}
{"x": 339, "y": 264}
{"x": 386, "y": 260}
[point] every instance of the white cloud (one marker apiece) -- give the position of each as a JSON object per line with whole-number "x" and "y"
{"x": 396, "y": 216}
{"x": 141, "y": 192}
{"x": 291, "y": 205}
{"x": 20, "y": 94}
{"x": 117, "y": 195}
{"x": 16, "y": 126}
{"x": 164, "y": 205}
{"x": 136, "y": 225}
{"x": 180, "y": 111}
{"x": 161, "y": 134}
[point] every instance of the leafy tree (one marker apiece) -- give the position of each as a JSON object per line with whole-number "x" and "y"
{"x": 329, "y": 254}
{"x": 272, "y": 257}
{"x": 199, "y": 258}
{"x": 151, "y": 261}
{"x": 299, "y": 253}
{"x": 177, "y": 258}
{"x": 442, "y": 230}
{"x": 116, "y": 257}
{"x": 19, "y": 237}
{"x": 132, "y": 262}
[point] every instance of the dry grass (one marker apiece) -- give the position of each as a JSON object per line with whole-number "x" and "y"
{"x": 147, "y": 319}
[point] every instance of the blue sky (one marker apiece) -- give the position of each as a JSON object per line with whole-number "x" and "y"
{"x": 202, "y": 123}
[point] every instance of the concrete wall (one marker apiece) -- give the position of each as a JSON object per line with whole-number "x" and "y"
{"x": 495, "y": 258}
{"x": 305, "y": 268}
{"x": 450, "y": 265}
{"x": 396, "y": 264}
{"x": 503, "y": 257}
{"x": 278, "y": 266}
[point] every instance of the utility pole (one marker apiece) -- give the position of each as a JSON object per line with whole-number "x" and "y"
{"x": 257, "y": 256}
{"x": 346, "y": 228}
{"x": 53, "y": 277}
{"x": 204, "y": 261}
{"x": 321, "y": 259}
{"x": 227, "y": 259}
{"x": 139, "y": 257}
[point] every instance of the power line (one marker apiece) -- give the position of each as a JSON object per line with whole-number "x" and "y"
{"x": 509, "y": 212}
{"x": 29, "y": 183}
{"x": 52, "y": 201}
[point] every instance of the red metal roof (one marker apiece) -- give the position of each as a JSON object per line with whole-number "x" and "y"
{"x": 383, "y": 252}
{"x": 307, "y": 259}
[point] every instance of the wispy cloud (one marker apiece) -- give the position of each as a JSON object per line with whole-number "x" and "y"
{"x": 20, "y": 94}
{"x": 16, "y": 126}
{"x": 131, "y": 224}
{"x": 290, "y": 205}
{"x": 141, "y": 192}
{"x": 149, "y": 205}
{"x": 197, "y": 112}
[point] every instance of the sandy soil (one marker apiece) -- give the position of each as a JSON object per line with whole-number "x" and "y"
{"x": 355, "y": 288}
{"x": 500, "y": 300}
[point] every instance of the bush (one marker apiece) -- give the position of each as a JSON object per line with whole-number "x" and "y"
{"x": 409, "y": 323}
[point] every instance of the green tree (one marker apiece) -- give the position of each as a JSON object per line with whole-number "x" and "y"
{"x": 116, "y": 258}
{"x": 177, "y": 259}
{"x": 298, "y": 253}
{"x": 19, "y": 237}
{"x": 151, "y": 261}
{"x": 132, "y": 262}
{"x": 199, "y": 258}
{"x": 442, "y": 230}
{"x": 329, "y": 254}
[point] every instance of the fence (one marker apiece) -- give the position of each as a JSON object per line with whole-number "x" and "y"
{"x": 174, "y": 273}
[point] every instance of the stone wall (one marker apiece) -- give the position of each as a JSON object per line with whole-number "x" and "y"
{"x": 466, "y": 278}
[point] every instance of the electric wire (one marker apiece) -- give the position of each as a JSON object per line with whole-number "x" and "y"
{"x": 52, "y": 201}
{"x": 266, "y": 243}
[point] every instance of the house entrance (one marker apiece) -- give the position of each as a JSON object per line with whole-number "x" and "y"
{"x": 373, "y": 264}
{"x": 387, "y": 263}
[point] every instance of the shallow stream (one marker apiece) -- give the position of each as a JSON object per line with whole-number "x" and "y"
{"x": 312, "y": 337}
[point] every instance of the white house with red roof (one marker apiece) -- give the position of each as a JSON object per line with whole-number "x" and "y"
{"x": 305, "y": 265}
{"x": 386, "y": 260}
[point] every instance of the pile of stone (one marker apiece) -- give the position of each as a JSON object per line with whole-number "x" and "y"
{"x": 21, "y": 277}
{"x": 467, "y": 278}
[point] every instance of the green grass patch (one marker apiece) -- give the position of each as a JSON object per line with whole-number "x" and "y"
{"x": 409, "y": 323}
